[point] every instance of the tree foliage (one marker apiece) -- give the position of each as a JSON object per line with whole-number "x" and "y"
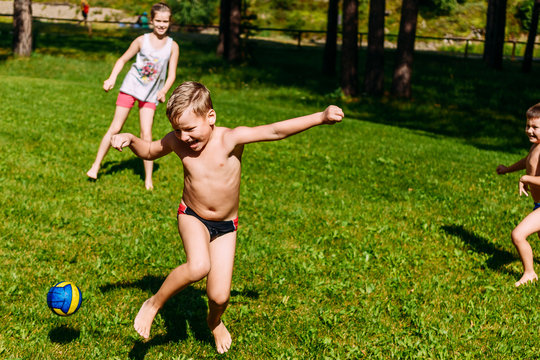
{"x": 523, "y": 13}
{"x": 290, "y": 14}
{"x": 439, "y": 7}
{"x": 199, "y": 12}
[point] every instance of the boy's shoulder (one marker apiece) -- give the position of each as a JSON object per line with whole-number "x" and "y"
{"x": 221, "y": 132}
{"x": 534, "y": 153}
{"x": 534, "y": 148}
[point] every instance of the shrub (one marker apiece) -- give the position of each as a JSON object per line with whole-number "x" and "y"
{"x": 524, "y": 13}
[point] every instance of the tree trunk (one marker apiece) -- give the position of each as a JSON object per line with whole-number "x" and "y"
{"x": 401, "y": 81}
{"x": 224, "y": 28}
{"x": 349, "y": 49}
{"x": 495, "y": 28}
{"x": 234, "y": 31}
{"x": 22, "y": 27}
{"x": 330, "y": 47}
{"x": 374, "y": 77}
{"x": 527, "y": 59}
{"x": 230, "y": 18}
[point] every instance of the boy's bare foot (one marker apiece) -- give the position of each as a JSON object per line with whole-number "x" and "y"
{"x": 92, "y": 173}
{"x": 145, "y": 317}
{"x": 527, "y": 277}
{"x": 222, "y": 338}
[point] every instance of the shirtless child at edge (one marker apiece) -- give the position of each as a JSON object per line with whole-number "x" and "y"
{"x": 529, "y": 182}
{"x": 208, "y": 212}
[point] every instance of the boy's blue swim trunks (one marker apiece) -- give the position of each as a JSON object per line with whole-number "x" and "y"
{"x": 536, "y": 206}
{"x": 215, "y": 228}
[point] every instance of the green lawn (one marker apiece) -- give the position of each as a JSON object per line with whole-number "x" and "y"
{"x": 385, "y": 236}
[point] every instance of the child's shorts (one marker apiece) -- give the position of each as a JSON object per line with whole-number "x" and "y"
{"x": 127, "y": 101}
{"x": 215, "y": 228}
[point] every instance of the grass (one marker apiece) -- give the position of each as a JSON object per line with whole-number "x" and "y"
{"x": 385, "y": 236}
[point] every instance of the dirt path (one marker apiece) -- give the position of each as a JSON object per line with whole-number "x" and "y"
{"x": 69, "y": 11}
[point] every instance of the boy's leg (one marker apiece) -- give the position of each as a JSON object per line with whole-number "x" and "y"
{"x": 218, "y": 287}
{"x": 146, "y": 116}
{"x": 120, "y": 116}
{"x": 525, "y": 228}
{"x": 196, "y": 245}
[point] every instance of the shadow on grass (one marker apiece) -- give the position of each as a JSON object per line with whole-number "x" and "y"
{"x": 135, "y": 164}
{"x": 184, "y": 312}
{"x": 499, "y": 257}
{"x": 63, "y": 334}
{"x": 187, "y": 309}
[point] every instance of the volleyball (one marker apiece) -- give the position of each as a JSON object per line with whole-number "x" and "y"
{"x": 64, "y": 298}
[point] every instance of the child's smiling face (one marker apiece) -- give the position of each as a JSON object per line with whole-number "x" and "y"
{"x": 194, "y": 130}
{"x": 533, "y": 130}
{"x": 161, "y": 22}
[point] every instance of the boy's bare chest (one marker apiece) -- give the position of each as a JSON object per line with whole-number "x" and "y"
{"x": 211, "y": 165}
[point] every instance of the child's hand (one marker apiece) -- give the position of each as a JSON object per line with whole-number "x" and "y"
{"x": 120, "y": 141}
{"x": 332, "y": 115}
{"x": 523, "y": 186}
{"x": 501, "y": 169}
{"x": 161, "y": 96}
{"x": 108, "y": 84}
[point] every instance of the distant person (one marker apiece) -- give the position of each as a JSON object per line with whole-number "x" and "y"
{"x": 142, "y": 20}
{"x": 85, "y": 8}
{"x": 208, "y": 212}
{"x": 529, "y": 182}
{"x": 147, "y": 81}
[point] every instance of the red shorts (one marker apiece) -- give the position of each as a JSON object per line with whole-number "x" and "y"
{"x": 127, "y": 101}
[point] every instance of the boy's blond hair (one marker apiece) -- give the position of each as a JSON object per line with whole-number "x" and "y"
{"x": 189, "y": 95}
{"x": 533, "y": 112}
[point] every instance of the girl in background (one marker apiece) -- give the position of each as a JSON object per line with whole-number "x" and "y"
{"x": 147, "y": 81}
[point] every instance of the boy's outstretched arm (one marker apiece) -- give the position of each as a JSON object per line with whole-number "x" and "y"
{"x": 282, "y": 129}
{"x": 520, "y": 165}
{"x": 147, "y": 150}
{"x": 525, "y": 181}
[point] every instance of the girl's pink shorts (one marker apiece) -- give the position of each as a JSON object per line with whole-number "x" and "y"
{"x": 127, "y": 101}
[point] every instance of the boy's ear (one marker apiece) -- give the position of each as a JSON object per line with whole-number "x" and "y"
{"x": 211, "y": 116}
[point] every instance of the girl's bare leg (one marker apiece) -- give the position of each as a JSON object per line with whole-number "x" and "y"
{"x": 218, "y": 287}
{"x": 526, "y": 227}
{"x": 146, "y": 116}
{"x": 120, "y": 116}
{"x": 196, "y": 245}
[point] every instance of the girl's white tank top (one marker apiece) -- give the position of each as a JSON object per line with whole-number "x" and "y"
{"x": 148, "y": 73}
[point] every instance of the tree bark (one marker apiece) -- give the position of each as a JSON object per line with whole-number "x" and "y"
{"x": 349, "y": 48}
{"x": 234, "y": 31}
{"x": 374, "y": 77}
{"x": 330, "y": 47}
{"x": 401, "y": 81}
{"x": 224, "y": 28}
{"x": 495, "y": 28}
{"x": 22, "y": 27}
{"x": 529, "y": 50}
{"x": 229, "y": 30}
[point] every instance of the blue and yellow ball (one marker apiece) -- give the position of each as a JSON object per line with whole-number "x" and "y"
{"x": 64, "y": 298}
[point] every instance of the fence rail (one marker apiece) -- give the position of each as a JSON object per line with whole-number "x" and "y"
{"x": 299, "y": 34}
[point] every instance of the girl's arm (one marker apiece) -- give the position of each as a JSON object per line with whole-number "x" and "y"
{"x": 147, "y": 150}
{"x": 283, "y": 129}
{"x": 171, "y": 73}
{"x": 520, "y": 165}
{"x": 119, "y": 65}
